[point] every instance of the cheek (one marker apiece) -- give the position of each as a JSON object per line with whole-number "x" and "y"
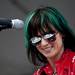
{"x": 59, "y": 43}
{"x": 39, "y": 49}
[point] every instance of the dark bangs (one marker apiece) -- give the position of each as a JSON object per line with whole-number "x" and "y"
{"x": 39, "y": 23}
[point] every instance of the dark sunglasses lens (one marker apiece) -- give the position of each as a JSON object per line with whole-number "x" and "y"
{"x": 35, "y": 40}
{"x": 52, "y": 39}
{"x": 37, "y": 43}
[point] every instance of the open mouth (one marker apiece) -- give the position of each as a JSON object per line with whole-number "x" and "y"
{"x": 48, "y": 49}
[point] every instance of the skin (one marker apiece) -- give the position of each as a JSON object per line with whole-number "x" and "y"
{"x": 51, "y": 50}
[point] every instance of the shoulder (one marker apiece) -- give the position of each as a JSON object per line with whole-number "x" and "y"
{"x": 70, "y": 53}
{"x": 71, "y": 57}
{"x": 39, "y": 70}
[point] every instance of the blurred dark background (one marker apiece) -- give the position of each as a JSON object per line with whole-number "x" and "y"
{"x": 13, "y": 58}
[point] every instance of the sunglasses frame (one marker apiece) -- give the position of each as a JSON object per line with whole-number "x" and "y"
{"x": 50, "y": 38}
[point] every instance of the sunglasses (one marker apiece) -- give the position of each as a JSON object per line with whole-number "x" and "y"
{"x": 51, "y": 37}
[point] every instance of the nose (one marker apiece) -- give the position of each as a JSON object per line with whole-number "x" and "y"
{"x": 44, "y": 42}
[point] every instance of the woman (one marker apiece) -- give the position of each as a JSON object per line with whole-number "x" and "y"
{"x": 49, "y": 39}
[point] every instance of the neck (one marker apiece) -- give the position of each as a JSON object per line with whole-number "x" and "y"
{"x": 58, "y": 56}
{"x": 52, "y": 60}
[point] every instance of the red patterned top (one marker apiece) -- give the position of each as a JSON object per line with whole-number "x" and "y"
{"x": 64, "y": 66}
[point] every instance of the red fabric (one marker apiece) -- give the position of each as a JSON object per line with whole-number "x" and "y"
{"x": 64, "y": 66}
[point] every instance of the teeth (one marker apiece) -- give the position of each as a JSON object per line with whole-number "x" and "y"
{"x": 49, "y": 49}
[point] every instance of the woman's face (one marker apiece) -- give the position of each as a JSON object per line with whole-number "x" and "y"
{"x": 51, "y": 49}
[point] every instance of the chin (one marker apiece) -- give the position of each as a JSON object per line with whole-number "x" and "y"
{"x": 50, "y": 55}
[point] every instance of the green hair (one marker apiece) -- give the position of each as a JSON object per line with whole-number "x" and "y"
{"x": 26, "y": 23}
{"x": 52, "y": 14}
